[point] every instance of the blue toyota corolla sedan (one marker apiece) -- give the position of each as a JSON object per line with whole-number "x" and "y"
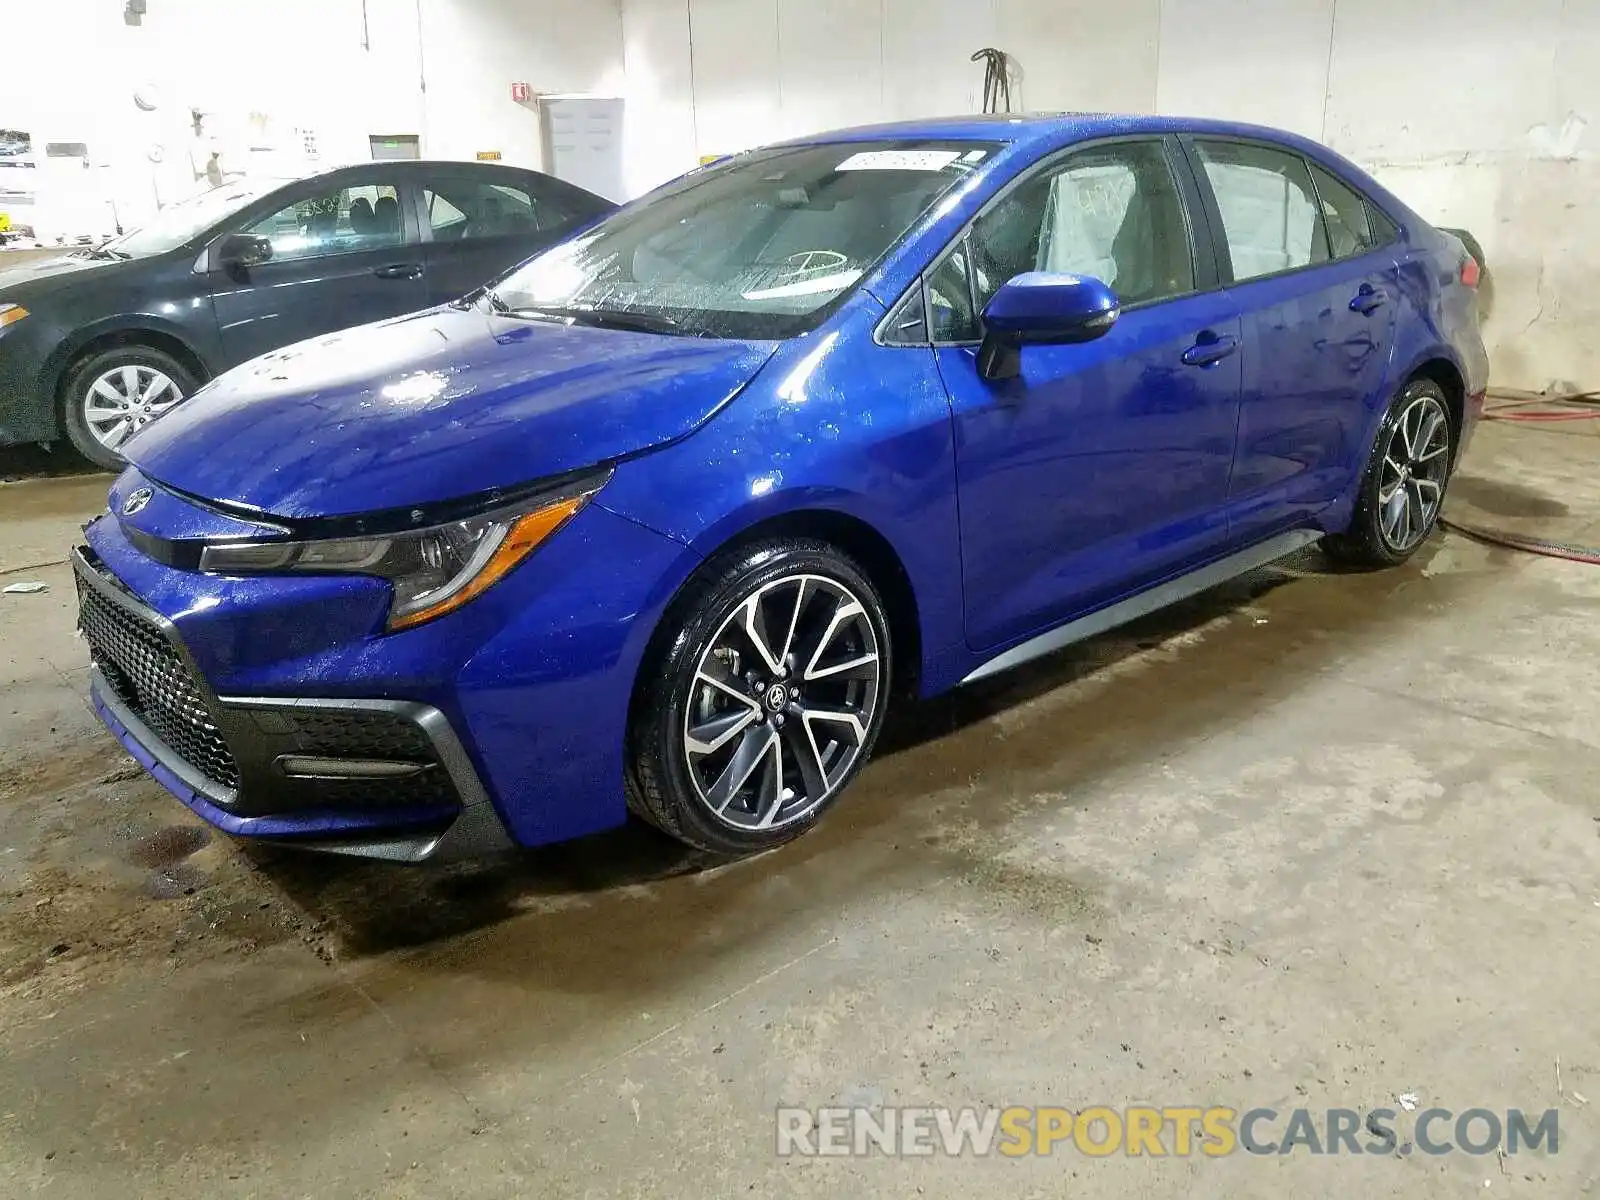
{"x": 661, "y": 520}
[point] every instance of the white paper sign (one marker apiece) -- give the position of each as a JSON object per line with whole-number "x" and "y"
{"x": 899, "y": 160}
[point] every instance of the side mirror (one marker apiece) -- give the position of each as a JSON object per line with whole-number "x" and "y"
{"x": 242, "y": 250}
{"x": 1042, "y": 308}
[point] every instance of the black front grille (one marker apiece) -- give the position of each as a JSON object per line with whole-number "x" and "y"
{"x": 145, "y": 670}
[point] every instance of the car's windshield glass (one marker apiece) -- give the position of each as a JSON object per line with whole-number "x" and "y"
{"x": 178, "y": 223}
{"x": 759, "y": 247}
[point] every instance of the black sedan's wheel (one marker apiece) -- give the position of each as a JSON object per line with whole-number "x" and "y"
{"x": 1403, "y": 488}
{"x": 766, "y": 701}
{"x": 112, "y": 395}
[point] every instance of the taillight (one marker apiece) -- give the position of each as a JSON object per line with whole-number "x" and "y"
{"x": 1471, "y": 273}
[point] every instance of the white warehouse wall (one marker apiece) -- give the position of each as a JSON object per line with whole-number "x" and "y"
{"x": 263, "y": 69}
{"x": 1476, "y": 112}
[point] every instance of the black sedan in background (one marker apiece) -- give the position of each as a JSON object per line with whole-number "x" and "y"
{"x": 95, "y": 344}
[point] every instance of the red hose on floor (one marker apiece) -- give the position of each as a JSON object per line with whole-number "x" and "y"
{"x": 1518, "y": 410}
{"x": 1529, "y": 545}
{"x": 1526, "y": 411}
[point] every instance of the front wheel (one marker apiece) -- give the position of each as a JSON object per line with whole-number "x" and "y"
{"x": 1402, "y": 489}
{"x": 766, "y": 700}
{"x": 111, "y": 395}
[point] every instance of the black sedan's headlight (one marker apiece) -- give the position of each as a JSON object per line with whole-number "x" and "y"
{"x": 434, "y": 570}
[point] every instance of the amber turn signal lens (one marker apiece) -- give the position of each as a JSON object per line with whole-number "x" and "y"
{"x": 524, "y": 536}
{"x": 10, "y": 314}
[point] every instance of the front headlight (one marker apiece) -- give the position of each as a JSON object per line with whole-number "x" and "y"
{"x": 10, "y": 314}
{"x": 434, "y": 570}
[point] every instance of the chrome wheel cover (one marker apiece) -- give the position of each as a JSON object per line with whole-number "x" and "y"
{"x": 126, "y": 399}
{"x": 1416, "y": 464}
{"x": 782, "y": 700}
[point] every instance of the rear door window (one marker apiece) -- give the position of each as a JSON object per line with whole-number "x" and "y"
{"x": 1348, "y": 216}
{"x": 471, "y": 209}
{"x": 1271, "y": 218}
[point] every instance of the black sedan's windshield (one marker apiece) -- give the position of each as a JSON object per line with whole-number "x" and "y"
{"x": 761, "y": 247}
{"x": 178, "y": 223}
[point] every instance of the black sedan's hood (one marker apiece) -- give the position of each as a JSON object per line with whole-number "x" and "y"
{"x": 28, "y": 278}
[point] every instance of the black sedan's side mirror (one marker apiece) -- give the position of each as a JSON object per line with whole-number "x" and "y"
{"x": 1042, "y": 308}
{"x": 240, "y": 251}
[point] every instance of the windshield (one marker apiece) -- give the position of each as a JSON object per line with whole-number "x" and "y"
{"x": 178, "y": 223}
{"x": 760, "y": 247}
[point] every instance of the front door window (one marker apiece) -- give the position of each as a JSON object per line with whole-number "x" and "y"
{"x": 1112, "y": 212}
{"x": 341, "y": 221}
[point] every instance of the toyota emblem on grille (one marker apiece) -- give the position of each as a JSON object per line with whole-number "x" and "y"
{"x": 136, "y": 501}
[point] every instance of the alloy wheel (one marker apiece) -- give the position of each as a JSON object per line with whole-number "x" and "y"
{"x": 125, "y": 399}
{"x": 1416, "y": 464}
{"x": 782, "y": 702}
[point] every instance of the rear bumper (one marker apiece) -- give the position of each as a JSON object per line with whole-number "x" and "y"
{"x": 375, "y": 778}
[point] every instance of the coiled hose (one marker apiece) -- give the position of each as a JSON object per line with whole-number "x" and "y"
{"x": 1538, "y": 410}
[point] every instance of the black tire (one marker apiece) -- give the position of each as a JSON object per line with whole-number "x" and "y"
{"x": 1370, "y": 540}
{"x": 794, "y": 582}
{"x": 81, "y": 378}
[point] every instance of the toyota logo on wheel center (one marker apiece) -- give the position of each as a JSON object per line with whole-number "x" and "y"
{"x": 777, "y": 697}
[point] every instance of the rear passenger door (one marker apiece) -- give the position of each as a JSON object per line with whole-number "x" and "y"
{"x": 479, "y": 225}
{"x": 1309, "y": 264}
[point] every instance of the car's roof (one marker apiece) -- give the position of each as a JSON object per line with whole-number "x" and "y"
{"x": 1039, "y": 128}
{"x": 423, "y": 164}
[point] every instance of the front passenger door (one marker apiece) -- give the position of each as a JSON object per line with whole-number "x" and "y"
{"x": 341, "y": 256}
{"x": 1104, "y": 466}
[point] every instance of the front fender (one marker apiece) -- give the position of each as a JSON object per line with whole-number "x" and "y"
{"x": 833, "y": 426}
{"x": 125, "y": 325}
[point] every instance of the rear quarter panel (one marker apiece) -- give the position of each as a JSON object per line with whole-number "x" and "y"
{"x": 1439, "y": 318}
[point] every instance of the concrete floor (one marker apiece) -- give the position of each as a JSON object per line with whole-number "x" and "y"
{"x": 1314, "y": 839}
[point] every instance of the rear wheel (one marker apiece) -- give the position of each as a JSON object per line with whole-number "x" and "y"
{"x": 1403, "y": 487}
{"x": 112, "y": 394}
{"x": 765, "y": 702}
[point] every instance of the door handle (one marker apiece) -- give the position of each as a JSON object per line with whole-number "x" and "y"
{"x": 399, "y": 271}
{"x": 1209, "y": 349}
{"x": 1368, "y": 300}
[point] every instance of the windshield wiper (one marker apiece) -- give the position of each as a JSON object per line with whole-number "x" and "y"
{"x": 608, "y": 318}
{"x": 623, "y": 318}
{"x": 100, "y": 252}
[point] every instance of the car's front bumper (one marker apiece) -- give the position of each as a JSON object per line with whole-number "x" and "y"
{"x": 520, "y": 697}
{"x": 378, "y": 778}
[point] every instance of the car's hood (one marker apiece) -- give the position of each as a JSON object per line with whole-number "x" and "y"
{"x": 442, "y": 404}
{"x": 40, "y": 269}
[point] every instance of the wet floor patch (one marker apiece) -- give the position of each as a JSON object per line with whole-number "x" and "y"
{"x": 168, "y": 847}
{"x": 1504, "y": 498}
{"x": 164, "y": 852}
{"x": 171, "y": 882}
